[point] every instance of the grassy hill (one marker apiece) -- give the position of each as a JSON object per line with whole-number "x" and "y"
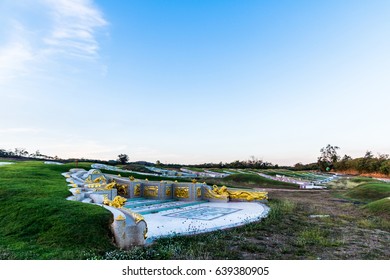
{"x": 376, "y": 194}
{"x": 369, "y": 192}
{"x": 250, "y": 180}
{"x": 380, "y": 207}
{"x": 350, "y": 182}
{"x": 37, "y": 222}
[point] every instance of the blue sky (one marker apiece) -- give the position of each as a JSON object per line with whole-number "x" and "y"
{"x": 195, "y": 81}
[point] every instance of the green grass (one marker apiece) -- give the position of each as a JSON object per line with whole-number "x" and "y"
{"x": 299, "y": 175}
{"x": 6, "y": 160}
{"x": 361, "y": 180}
{"x": 345, "y": 183}
{"x": 135, "y": 167}
{"x": 196, "y": 169}
{"x": 369, "y": 192}
{"x": 316, "y": 236}
{"x": 350, "y": 182}
{"x": 37, "y": 222}
{"x": 219, "y": 170}
{"x": 251, "y": 180}
{"x": 379, "y": 207}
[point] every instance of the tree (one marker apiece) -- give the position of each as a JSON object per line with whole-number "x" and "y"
{"x": 37, "y": 154}
{"x": 3, "y": 153}
{"x": 123, "y": 158}
{"x": 328, "y": 157}
{"x": 344, "y": 163}
{"x": 298, "y": 166}
{"x": 20, "y": 152}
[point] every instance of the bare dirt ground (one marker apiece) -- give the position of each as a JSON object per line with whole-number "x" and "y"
{"x": 348, "y": 232}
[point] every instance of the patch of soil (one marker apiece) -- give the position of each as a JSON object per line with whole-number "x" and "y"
{"x": 351, "y": 240}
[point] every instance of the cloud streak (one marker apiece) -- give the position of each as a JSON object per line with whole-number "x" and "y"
{"x": 70, "y": 31}
{"x": 15, "y": 54}
{"x": 75, "y": 25}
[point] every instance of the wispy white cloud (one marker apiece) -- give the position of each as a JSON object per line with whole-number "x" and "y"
{"x": 15, "y": 54}
{"x": 75, "y": 23}
{"x": 70, "y": 30}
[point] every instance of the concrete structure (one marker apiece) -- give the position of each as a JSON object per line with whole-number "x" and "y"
{"x": 143, "y": 208}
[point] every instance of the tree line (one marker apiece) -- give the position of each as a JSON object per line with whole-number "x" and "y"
{"x": 252, "y": 162}
{"x": 330, "y": 160}
{"x": 366, "y": 164}
{"x": 23, "y": 154}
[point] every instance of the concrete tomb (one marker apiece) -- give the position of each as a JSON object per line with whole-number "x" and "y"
{"x": 144, "y": 210}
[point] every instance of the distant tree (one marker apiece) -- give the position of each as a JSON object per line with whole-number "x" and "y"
{"x": 369, "y": 163}
{"x": 328, "y": 157}
{"x": 123, "y": 158}
{"x": 385, "y": 167}
{"x": 343, "y": 164}
{"x": 369, "y": 155}
{"x": 37, "y": 154}
{"x": 20, "y": 152}
{"x": 3, "y": 153}
{"x": 252, "y": 160}
{"x": 298, "y": 166}
{"x": 158, "y": 163}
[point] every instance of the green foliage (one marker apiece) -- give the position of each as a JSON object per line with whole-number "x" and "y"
{"x": 328, "y": 157}
{"x": 367, "y": 164}
{"x": 123, "y": 158}
{"x": 385, "y": 167}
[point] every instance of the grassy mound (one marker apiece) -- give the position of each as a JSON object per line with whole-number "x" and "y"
{"x": 380, "y": 207}
{"x": 369, "y": 192}
{"x": 362, "y": 180}
{"x": 350, "y": 182}
{"x": 37, "y": 222}
{"x": 254, "y": 180}
{"x": 136, "y": 167}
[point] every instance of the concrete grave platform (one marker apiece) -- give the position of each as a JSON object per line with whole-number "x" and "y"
{"x": 198, "y": 218}
{"x": 145, "y": 210}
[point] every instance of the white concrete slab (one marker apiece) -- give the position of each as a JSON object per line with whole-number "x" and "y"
{"x": 5, "y": 163}
{"x": 204, "y": 217}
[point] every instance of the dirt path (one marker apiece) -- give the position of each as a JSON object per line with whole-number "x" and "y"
{"x": 351, "y": 232}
